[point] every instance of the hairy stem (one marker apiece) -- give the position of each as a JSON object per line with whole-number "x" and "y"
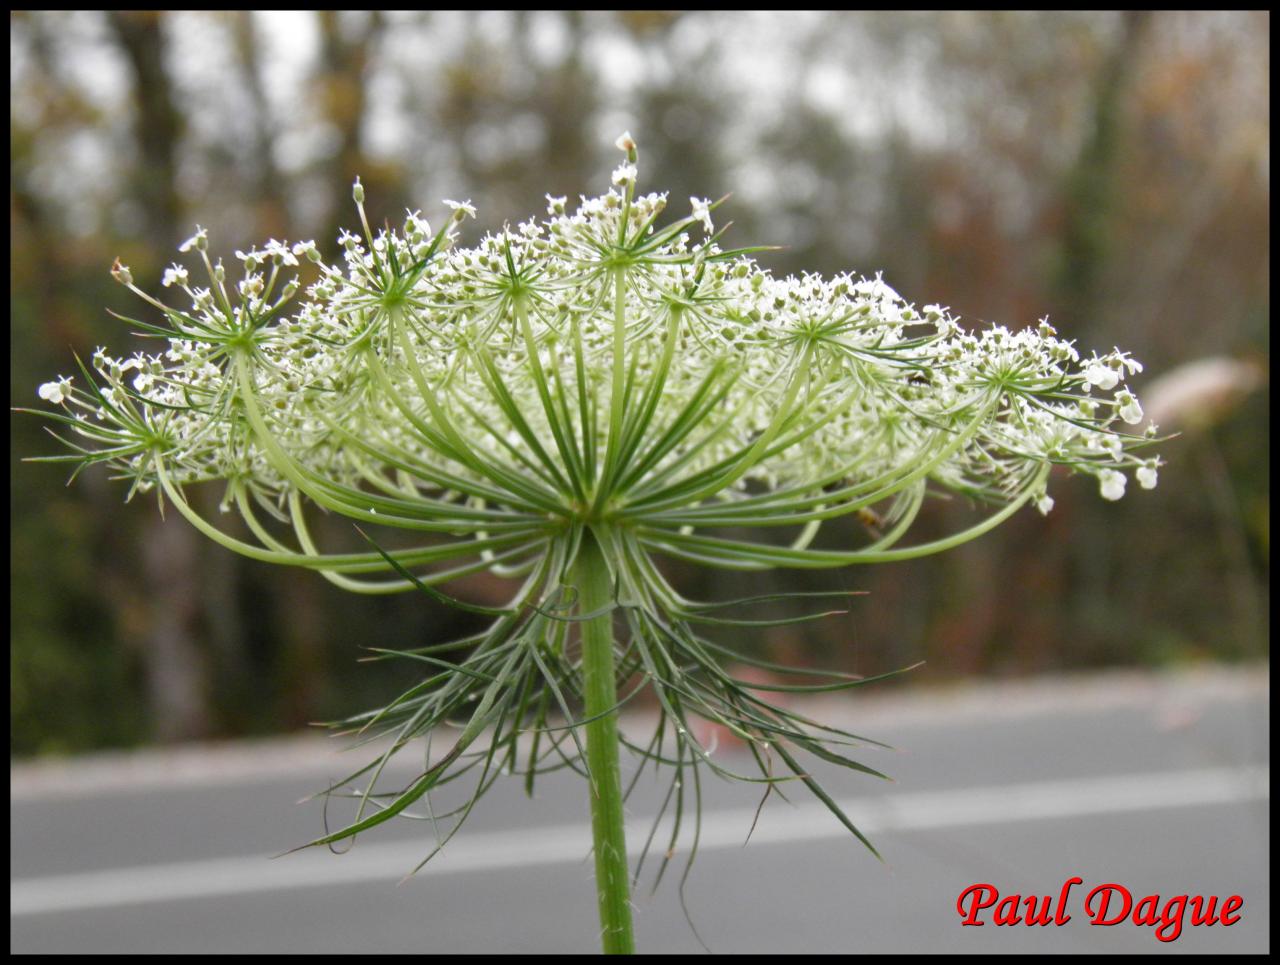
{"x": 591, "y": 576}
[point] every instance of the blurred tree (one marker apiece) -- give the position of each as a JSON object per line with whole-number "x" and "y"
{"x": 266, "y": 184}
{"x": 347, "y": 43}
{"x": 72, "y": 685}
{"x": 1089, "y": 196}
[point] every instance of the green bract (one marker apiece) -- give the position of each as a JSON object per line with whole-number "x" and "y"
{"x": 596, "y": 385}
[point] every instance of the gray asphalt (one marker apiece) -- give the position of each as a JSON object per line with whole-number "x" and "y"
{"x": 1156, "y": 782}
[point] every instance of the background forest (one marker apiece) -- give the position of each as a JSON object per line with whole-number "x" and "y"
{"x": 1110, "y": 170}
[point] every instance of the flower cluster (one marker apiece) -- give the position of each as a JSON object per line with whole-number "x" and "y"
{"x": 595, "y": 372}
{"x": 515, "y": 346}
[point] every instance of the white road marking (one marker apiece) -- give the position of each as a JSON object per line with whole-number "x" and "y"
{"x": 561, "y": 844}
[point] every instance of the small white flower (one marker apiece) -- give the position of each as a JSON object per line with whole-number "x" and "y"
{"x": 625, "y": 142}
{"x": 1130, "y": 410}
{"x": 174, "y": 274}
{"x": 416, "y": 227}
{"x": 1147, "y": 476}
{"x": 461, "y": 209}
{"x": 56, "y": 392}
{"x": 1044, "y": 503}
{"x": 1111, "y": 483}
{"x": 1101, "y": 374}
{"x": 252, "y": 259}
{"x": 624, "y": 174}
{"x": 307, "y": 249}
{"x": 199, "y": 241}
{"x": 279, "y": 252}
{"x": 702, "y": 212}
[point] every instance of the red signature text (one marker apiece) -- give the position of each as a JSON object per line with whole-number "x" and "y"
{"x": 1105, "y": 904}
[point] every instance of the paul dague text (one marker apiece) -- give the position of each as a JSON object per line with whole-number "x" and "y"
{"x": 1105, "y": 904}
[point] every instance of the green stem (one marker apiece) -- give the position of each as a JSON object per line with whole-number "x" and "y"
{"x": 595, "y": 589}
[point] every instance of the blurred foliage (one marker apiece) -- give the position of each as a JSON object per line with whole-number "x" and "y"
{"x": 1109, "y": 169}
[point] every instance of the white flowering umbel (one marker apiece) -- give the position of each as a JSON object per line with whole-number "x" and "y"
{"x": 564, "y": 403}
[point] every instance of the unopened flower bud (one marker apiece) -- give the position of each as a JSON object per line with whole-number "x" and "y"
{"x": 627, "y": 143}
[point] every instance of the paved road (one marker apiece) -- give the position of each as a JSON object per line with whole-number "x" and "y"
{"x": 1159, "y": 783}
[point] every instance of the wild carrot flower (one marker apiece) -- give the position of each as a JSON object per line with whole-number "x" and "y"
{"x": 566, "y": 403}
